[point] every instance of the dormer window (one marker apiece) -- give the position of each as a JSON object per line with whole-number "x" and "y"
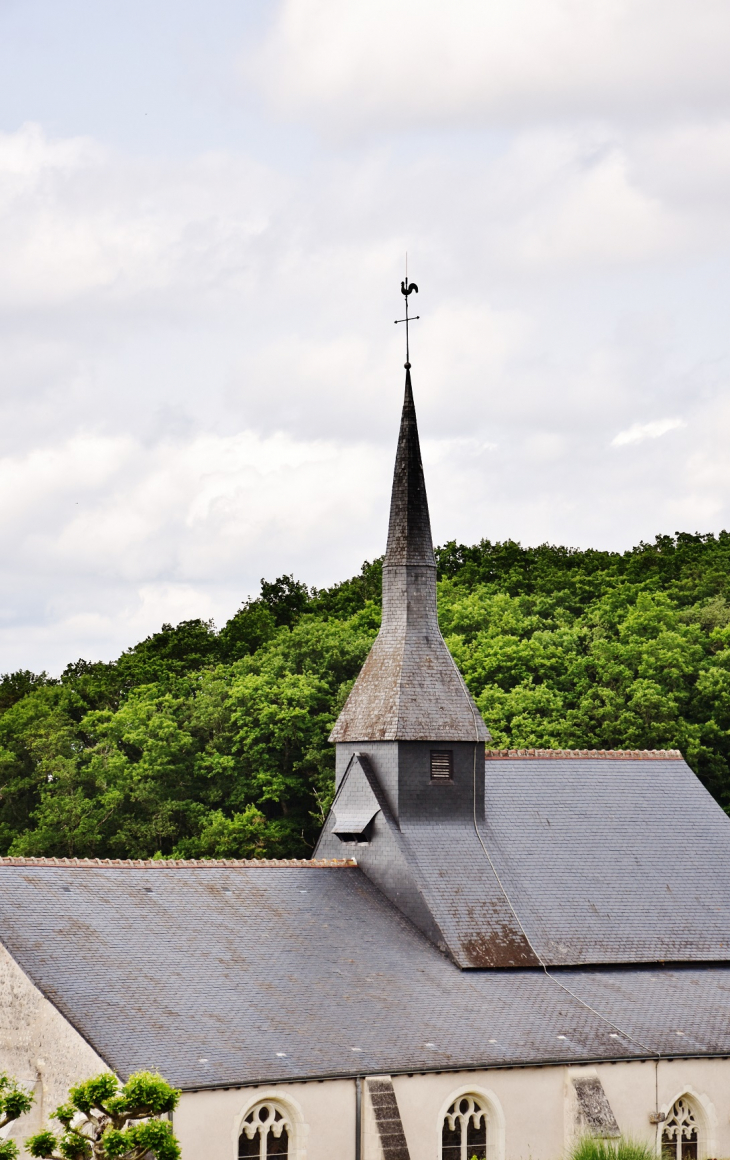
{"x": 442, "y": 765}
{"x": 354, "y": 818}
{"x": 359, "y": 837}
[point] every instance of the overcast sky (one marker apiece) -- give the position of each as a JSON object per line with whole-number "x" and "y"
{"x": 205, "y": 207}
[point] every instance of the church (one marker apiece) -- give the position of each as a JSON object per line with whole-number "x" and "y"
{"x": 490, "y": 953}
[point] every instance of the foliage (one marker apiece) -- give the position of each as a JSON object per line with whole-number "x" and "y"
{"x": 15, "y": 1102}
{"x": 15, "y": 686}
{"x": 623, "y": 1148}
{"x": 203, "y": 743}
{"x": 106, "y": 1121}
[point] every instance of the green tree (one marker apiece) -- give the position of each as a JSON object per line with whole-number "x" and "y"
{"x": 104, "y": 1120}
{"x": 15, "y": 1102}
{"x": 199, "y": 743}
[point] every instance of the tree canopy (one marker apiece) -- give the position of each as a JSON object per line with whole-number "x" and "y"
{"x": 200, "y": 742}
{"x": 105, "y": 1120}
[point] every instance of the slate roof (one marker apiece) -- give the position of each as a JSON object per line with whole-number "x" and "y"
{"x": 610, "y": 858}
{"x": 409, "y": 688}
{"x": 435, "y": 871}
{"x": 582, "y": 858}
{"x": 223, "y": 974}
{"x": 409, "y": 526}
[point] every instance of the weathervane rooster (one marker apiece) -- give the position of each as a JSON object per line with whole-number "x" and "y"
{"x": 407, "y": 288}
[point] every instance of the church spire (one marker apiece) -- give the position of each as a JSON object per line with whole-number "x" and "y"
{"x": 409, "y": 688}
{"x": 409, "y": 529}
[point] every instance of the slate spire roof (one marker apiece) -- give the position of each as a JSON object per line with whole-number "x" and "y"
{"x": 409, "y": 528}
{"x": 409, "y": 688}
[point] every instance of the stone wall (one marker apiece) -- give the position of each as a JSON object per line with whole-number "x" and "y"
{"x": 38, "y": 1046}
{"x": 533, "y": 1112}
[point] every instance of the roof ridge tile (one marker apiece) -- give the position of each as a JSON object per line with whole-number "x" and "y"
{"x": 183, "y": 864}
{"x": 593, "y": 754}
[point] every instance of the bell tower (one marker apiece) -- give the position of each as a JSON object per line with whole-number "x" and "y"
{"x": 409, "y": 710}
{"x": 409, "y": 805}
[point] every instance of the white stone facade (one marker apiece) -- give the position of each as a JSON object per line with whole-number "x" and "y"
{"x": 531, "y": 1110}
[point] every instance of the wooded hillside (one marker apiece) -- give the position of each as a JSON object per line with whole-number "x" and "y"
{"x": 199, "y": 743}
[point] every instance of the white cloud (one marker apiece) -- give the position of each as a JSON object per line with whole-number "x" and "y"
{"x": 592, "y": 212}
{"x": 370, "y": 63}
{"x": 129, "y": 535}
{"x": 76, "y": 220}
{"x": 638, "y": 432}
{"x": 687, "y": 163}
{"x": 200, "y": 379}
{"x": 187, "y": 509}
{"x": 437, "y": 451}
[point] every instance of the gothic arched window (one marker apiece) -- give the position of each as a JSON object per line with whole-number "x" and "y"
{"x": 265, "y": 1133}
{"x": 681, "y": 1133}
{"x": 464, "y": 1131}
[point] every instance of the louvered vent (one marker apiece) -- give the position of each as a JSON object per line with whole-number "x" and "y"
{"x": 442, "y": 765}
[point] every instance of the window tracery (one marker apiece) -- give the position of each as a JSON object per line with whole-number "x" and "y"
{"x": 464, "y": 1130}
{"x": 265, "y": 1133}
{"x": 680, "y": 1132}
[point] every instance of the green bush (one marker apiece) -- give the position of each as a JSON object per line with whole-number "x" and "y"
{"x": 15, "y": 1101}
{"x": 622, "y": 1148}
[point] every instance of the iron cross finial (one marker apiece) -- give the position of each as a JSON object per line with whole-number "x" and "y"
{"x": 407, "y": 288}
